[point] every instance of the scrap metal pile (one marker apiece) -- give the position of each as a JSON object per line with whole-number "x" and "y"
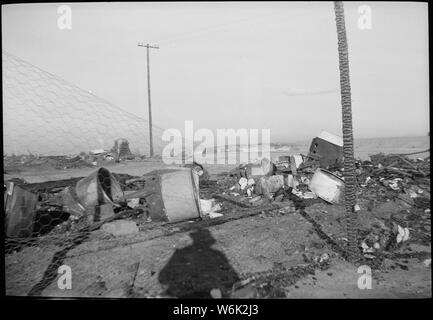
{"x": 404, "y": 184}
{"x": 98, "y": 157}
{"x": 123, "y": 204}
{"x": 15, "y": 163}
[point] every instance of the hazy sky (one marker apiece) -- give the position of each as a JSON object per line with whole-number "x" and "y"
{"x": 238, "y": 65}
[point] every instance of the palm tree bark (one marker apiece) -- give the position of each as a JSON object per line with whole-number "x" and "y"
{"x": 349, "y": 161}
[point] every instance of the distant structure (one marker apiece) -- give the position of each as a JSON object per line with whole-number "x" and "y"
{"x": 121, "y": 149}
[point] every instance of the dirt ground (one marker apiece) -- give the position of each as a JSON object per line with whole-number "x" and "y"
{"x": 166, "y": 261}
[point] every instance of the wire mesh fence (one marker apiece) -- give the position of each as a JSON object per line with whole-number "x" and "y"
{"x": 50, "y": 124}
{"x": 45, "y": 115}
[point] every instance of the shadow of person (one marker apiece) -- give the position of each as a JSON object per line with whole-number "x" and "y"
{"x": 192, "y": 272}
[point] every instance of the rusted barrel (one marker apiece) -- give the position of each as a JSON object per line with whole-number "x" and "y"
{"x": 20, "y": 209}
{"x": 98, "y": 188}
{"x": 175, "y": 196}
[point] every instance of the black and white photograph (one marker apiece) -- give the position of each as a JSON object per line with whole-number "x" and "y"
{"x": 216, "y": 150}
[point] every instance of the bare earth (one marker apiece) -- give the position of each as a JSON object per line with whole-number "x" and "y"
{"x": 167, "y": 261}
{"x": 164, "y": 261}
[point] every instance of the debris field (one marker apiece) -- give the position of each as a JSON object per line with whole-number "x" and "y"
{"x": 105, "y": 211}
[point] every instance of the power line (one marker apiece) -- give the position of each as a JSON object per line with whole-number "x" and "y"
{"x": 215, "y": 28}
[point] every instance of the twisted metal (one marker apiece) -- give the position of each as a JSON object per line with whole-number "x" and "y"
{"x": 349, "y": 160}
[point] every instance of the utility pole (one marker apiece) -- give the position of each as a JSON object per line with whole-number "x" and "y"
{"x": 147, "y": 46}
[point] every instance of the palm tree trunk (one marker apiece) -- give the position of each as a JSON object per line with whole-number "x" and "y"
{"x": 349, "y": 161}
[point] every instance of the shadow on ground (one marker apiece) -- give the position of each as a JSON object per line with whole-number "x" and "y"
{"x": 192, "y": 272}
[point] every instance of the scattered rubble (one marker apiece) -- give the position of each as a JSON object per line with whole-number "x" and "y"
{"x": 280, "y": 187}
{"x": 93, "y": 158}
{"x": 209, "y": 207}
{"x": 13, "y": 163}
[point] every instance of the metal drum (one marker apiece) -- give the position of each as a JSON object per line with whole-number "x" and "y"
{"x": 98, "y": 188}
{"x": 327, "y": 186}
{"x": 179, "y": 191}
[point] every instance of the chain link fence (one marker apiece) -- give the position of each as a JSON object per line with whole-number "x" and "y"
{"x": 50, "y": 124}
{"x": 45, "y": 115}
